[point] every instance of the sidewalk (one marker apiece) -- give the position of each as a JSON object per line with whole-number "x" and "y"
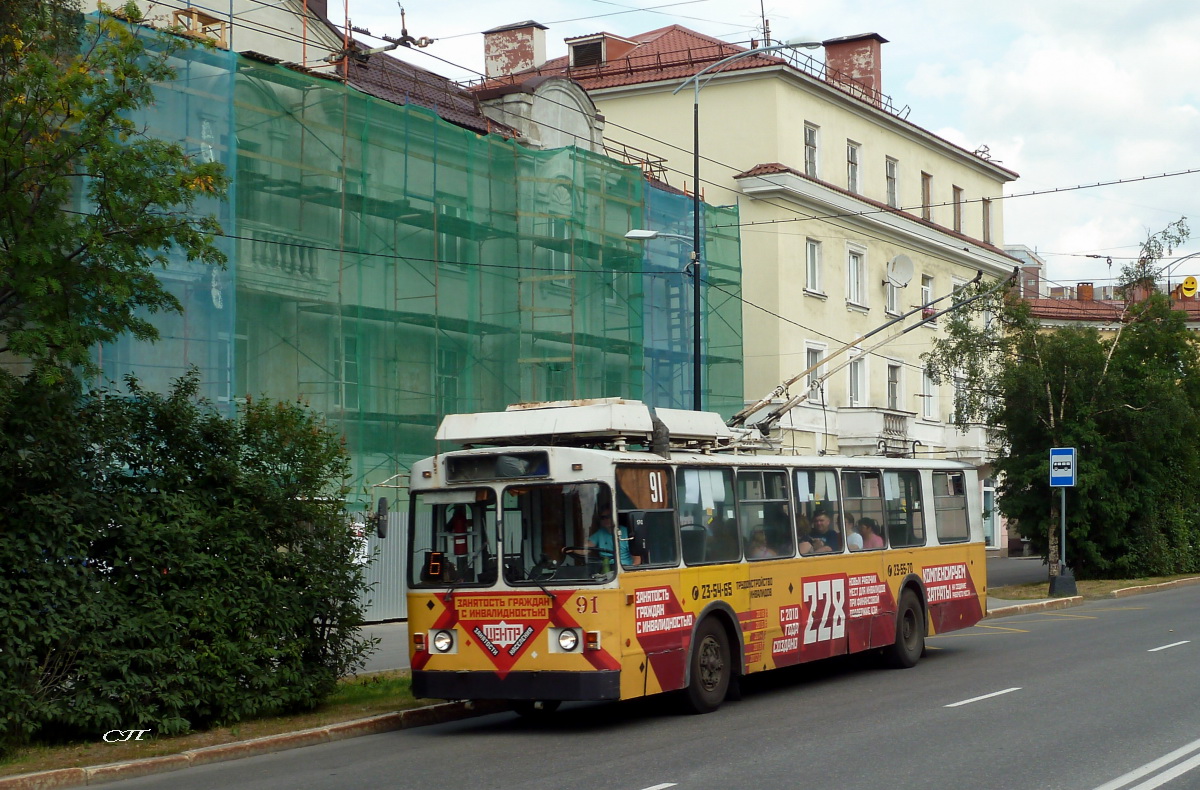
{"x": 998, "y": 607}
{"x": 392, "y": 652}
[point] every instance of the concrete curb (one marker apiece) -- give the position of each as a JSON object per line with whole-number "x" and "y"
{"x": 1035, "y": 606}
{"x": 1125, "y": 592}
{"x": 387, "y": 722}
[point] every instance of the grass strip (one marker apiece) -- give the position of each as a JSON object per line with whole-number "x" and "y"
{"x": 357, "y": 697}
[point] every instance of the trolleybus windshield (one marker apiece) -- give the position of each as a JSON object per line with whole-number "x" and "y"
{"x": 560, "y": 533}
{"x": 452, "y": 538}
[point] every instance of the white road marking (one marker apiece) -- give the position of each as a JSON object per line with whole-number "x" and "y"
{"x": 985, "y": 696}
{"x": 1164, "y": 647}
{"x": 663, "y": 786}
{"x": 1154, "y": 765}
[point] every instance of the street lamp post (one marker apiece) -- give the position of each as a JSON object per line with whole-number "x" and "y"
{"x": 697, "y": 355}
{"x": 712, "y": 68}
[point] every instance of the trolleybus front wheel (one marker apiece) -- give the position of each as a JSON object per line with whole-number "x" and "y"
{"x": 710, "y": 668}
{"x": 910, "y": 633}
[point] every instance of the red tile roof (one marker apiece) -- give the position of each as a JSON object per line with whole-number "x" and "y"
{"x": 402, "y": 83}
{"x": 395, "y": 81}
{"x": 668, "y": 53}
{"x": 1104, "y": 311}
{"x": 674, "y": 53}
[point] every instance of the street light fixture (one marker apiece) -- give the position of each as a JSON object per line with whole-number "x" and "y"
{"x": 711, "y": 69}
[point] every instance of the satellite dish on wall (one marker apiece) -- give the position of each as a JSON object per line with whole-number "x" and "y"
{"x": 900, "y": 270}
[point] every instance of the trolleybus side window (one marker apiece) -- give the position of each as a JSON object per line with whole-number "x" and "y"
{"x": 816, "y": 505}
{"x": 558, "y": 533}
{"x": 708, "y": 529}
{"x": 862, "y": 493}
{"x": 950, "y": 506}
{"x": 905, "y": 510}
{"x": 764, "y": 513}
{"x": 452, "y": 539}
{"x": 646, "y": 514}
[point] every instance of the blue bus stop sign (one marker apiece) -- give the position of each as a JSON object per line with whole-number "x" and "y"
{"x": 1062, "y": 467}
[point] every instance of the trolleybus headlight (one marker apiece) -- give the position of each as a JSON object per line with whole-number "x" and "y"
{"x": 568, "y": 640}
{"x": 443, "y": 641}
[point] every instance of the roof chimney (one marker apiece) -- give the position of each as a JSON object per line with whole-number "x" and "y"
{"x": 510, "y": 49}
{"x": 1031, "y": 282}
{"x": 318, "y": 7}
{"x": 1086, "y": 292}
{"x": 854, "y": 62}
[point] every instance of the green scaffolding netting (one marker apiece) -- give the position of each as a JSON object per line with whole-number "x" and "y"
{"x": 388, "y": 267}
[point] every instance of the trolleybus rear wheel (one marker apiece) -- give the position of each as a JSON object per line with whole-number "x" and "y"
{"x": 710, "y": 668}
{"x": 910, "y": 633}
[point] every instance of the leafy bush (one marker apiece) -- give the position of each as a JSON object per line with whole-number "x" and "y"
{"x": 166, "y": 567}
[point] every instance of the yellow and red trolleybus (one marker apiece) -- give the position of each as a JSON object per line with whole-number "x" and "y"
{"x": 601, "y": 552}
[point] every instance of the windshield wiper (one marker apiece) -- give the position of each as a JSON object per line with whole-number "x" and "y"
{"x": 470, "y": 563}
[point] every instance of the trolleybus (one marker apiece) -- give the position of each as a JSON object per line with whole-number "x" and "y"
{"x": 599, "y": 551}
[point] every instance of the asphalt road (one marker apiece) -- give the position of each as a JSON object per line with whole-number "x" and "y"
{"x": 1002, "y": 571}
{"x": 1073, "y": 699}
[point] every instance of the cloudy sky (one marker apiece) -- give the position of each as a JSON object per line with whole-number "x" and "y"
{"x": 1065, "y": 92}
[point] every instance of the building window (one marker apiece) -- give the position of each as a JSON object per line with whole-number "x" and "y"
{"x": 856, "y": 277}
{"x": 926, "y": 196}
{"x": 853, "y": 152}
{"x": 810, "y": 150}
{"x": 587, "y": 53}
{"x": 957, "y": 287}
{"x": 928, "y": 397}
{"x": 858, "y": 381}
{"x": 812, "y": 266}
{"x": 345, "y": 369}
{"x": 449, "y": 374}
{"x": 893, "y": 386}
{"x": 557, "y": 381}
{"x": 812, "y": 358}
{"x": 891, "y": 174}
{"x": 926, "y": 291}
{"x": 554, "y": 253}
{"x": 987, "y": 221}
{"x": 958, "y": 206}
{"x": 453, "y": 249}
{"x": 891, "y": 298}
{"x": 960, "y": 394}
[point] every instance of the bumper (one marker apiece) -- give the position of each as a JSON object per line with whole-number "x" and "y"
{"x": 597, "y": 685}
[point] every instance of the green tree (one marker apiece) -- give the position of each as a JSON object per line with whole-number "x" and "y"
{"x": 165, "y": 567}
{"x": 90, "y": 206}
{"x": 1130, "y": 403}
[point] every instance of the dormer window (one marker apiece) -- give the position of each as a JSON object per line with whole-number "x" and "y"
{"x": 597, "y": 49}
{"x": 587, "y": 53}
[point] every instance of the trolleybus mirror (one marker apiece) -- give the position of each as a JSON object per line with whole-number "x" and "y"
{"x": 381, "y": 517}
{"x": 635, "y": 521}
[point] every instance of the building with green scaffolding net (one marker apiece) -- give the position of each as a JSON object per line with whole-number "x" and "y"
{"x": 388, "y": 267}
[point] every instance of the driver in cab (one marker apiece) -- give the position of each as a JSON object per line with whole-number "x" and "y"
{"x": 600, "y": 541}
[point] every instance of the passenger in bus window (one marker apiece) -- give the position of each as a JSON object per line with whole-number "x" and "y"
{"x": 758, "y": 548}
{"x": 869, "y": 530}
{"x": 722, "y": 542}
{"x": 824, "y": 537}
{"x": 853, "y": 537}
